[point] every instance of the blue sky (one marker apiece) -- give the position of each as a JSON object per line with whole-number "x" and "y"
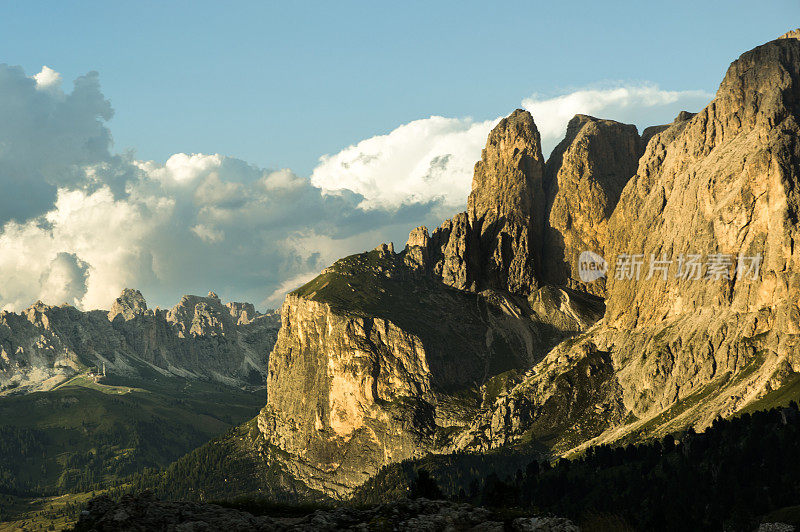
{"x": 281, "y": 83}
{"x": 255, "y": 143}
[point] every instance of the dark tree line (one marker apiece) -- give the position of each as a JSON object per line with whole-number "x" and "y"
{"x": 727, "y": 477}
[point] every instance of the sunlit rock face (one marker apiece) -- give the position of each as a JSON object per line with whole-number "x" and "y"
{"x": 585, "y": 176}
{"x": 506, "y": 206}
{"x": 677, "y": 350}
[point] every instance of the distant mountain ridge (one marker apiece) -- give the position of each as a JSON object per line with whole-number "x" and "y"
{"x": 199, "y": 338}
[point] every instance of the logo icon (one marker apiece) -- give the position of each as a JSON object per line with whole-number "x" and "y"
{"x": 591, "y": 266}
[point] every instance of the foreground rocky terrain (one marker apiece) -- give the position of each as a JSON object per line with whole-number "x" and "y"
{"x": 199, "y": 338}
{"x": 483, "y": 333}
{"x": 146, "y": 513}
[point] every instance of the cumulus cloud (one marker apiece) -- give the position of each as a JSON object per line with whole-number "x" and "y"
{"x": 432, "y": 159}
{"x": 47, "y": 79}
{"x": 108, "y": 239}
{"x": 425, "y": 160}
{"x": 79, "y": 223}
{"x": 49, "y": 139}
{"x": 65, "y": 279}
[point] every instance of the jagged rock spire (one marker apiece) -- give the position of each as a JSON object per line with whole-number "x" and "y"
{"x": 128, "y": 305}
{"x": 584, "y": 179}
{"x": 506, "y": 205}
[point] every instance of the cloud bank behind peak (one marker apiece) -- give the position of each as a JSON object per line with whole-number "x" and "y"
{"x": 432, "y": 159}
{"x": 79, "y": 222}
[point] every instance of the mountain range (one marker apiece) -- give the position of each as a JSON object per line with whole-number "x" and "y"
{"x": 199, "y": 338}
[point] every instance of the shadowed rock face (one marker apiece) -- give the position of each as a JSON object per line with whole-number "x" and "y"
{"x": 585, "y": 176}
{"x": 506, "y": 206}
{"x": 198, "y": 338}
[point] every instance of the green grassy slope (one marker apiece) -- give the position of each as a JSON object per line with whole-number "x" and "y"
{"x": 238, "y": 464}
{"x": 84, "y": 435}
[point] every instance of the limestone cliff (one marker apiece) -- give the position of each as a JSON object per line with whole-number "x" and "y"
{"x": 584, "y": 177}
{"x": 506, "y": 206}
{"x": 198, "y": 338}
{"x": 376, "y": 362}
{"x": 681, "y": 345}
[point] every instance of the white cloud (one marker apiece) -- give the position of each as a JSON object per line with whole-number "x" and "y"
{"x": 208, "y": 234}
{"x": 48, "y": 139}
{"x": 78, "y": 223}
{"x": 47, "y": 79}
{"x": 107, "y": 241}
{"x": 424, "y": 160}
{"x": 65, "y": 279}
{"x": 277, "y": 296}
{"x": 182, "y": 168}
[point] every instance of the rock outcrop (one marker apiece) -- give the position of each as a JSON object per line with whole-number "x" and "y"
{"x": 452, "y": 253}
{"x": 652, "y": 131}
{"x": 198, "y": 338}
{"x": 506, "y": 206}
{"x": 145, "y": 512}
{"x": 128, "y": 306}
{"x": 584, "y": 177}
{"x": 497, "y": 243}
{"x": 375, "y": 363}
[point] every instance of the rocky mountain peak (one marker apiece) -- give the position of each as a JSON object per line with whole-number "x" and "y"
{"x": 506, "y": 205}
{"x": 760, "y": 88}
{"x": 418, "y": 237}
{"x": 200, "y": 316}
{"x": 386, "y": 250}
{"x": 683, "y": 116}
{"x": 652, "y": 131}
{"x": 793, "y": 34}
{"x": 416, "y": 252}
{"x": 242, "y": 313}
{"x": 128, "y": 305}
{"x": 584, "y": 179}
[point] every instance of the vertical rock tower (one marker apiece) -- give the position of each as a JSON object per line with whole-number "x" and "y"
{"x": 506, "y": 206}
